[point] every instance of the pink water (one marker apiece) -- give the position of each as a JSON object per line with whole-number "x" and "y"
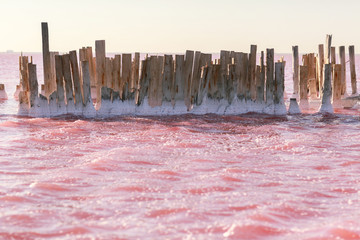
{"x": 181, "y": 177}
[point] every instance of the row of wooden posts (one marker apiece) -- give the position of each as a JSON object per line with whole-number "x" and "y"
{"x": 187, "y": 78}
{"x": 308, "y": 78}
{"x": 181, "y": 78}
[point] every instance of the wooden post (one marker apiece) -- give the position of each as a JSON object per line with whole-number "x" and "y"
{"x": 167, "y": 78}
{"x": 100, "y": 67}
{"x": 295, "y": 66}
{"x": 224, "y": 76}
{"x": 328, "y": 48}
{"x": 189, "y": 59}
{"x": 86, "y": 82}
{"x": 241, "y": 60}
{"x": 125, "y": 85}
{"x": 23, "y": 70}
{"x": 144, "y": 80}
{"x": 326, "y": 106}
{"x": 177, "y": 92}
{"x": 352, "y": 70}
{"x": 206, "y": 75}
{"x": 155, "y": 85}
{"x": 309, "y": 60}
{"x": 68, "y": 80}
{"x": 303, "y": 87}
{"x": 320, "y": 67}
{"x": 33, "y": 84}
{"x": 195, "y": 77}
{"x": 76, "y": 78}
{"x": 59, "y": 80}
{"x": 251, "y": 73}
{"x": 333, "y": 55}
{"x": 336, "y": 84}
{"x": 279, "y": 83}
{"x": 343, "y": 69}
{"x": 270, "y": 76}
{"x": 46, "y": 58}
{"x": 135, "y": 80}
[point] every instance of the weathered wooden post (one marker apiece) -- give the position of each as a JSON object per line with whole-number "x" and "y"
{"x": 125, "y": 85}
{"x": 336, "y": 85}
{"x": 260, "y": 84}
{"x": 204, "y": 83}
{"x": 252, "y": 72}
{"x": 326, "y": 106}
{"x": 309, "y": 60}
{"x": 303, "y": 88}
{"x": 320, "y": 67}
{"x": 189, "y": 59}
{"x": 328, "y": 48}
{"x": 269, "y": 76}
{"x": 352, "y": 69}
{"x": 68, "y": 80}
{"x": 333, "y": 55}
{"x": 135, "y": 80}
{"x": 46, "y": 58}
{"x": 144, "y": 79}
{"x": 195, "y": 77}
{"x": 100, "y": 67}
{"x": 59, "y": 83}
{"x": 280, "y": 108}
{"x": 167, "y": 78}
{"x": 86, "y": 83}
{"x": 33, "y": 84}
{"x": 343, "y": 69}
{"x": 222, "y": 84}
{"x": 76, "y": 78}
{"x": 295, "y": 66}
{"x": 177, "y": 93}
{"x": 243, "y": 75}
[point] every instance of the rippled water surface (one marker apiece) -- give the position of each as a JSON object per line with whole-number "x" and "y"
{"x": 181, "y": 177}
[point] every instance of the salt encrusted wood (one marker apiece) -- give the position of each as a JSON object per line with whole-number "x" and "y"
{"x": 231, "y": 83}
{"x": 106, "y": 89}
{"x": 336, "y": 83}
{"x": 52, "y": 72}
{"x": 252, "y": 72}
{"x": 46, "y": 58}
{"x": 100, "y": 67}
{"x": 303, "y": 83}
{"x": 295, "y": 67}
{"x": 33, "y": 84}
{"x": 352, "y": 69}
{"x": 177, "y": 92}
{"x": 76, "y": 78}
{"x": 260, "y": 83}
{"x": 189, "y": 59}
{"x": 67, "y": 79}
{"x": 167, "y": 78}
{"x": 125, "y": 84}
{"x": 343, "y": 69}
{"x": 269, "y": 76}
{"x": 59, "y": 80}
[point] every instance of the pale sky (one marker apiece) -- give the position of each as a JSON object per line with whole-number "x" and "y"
{"x": 155, "y": 26}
